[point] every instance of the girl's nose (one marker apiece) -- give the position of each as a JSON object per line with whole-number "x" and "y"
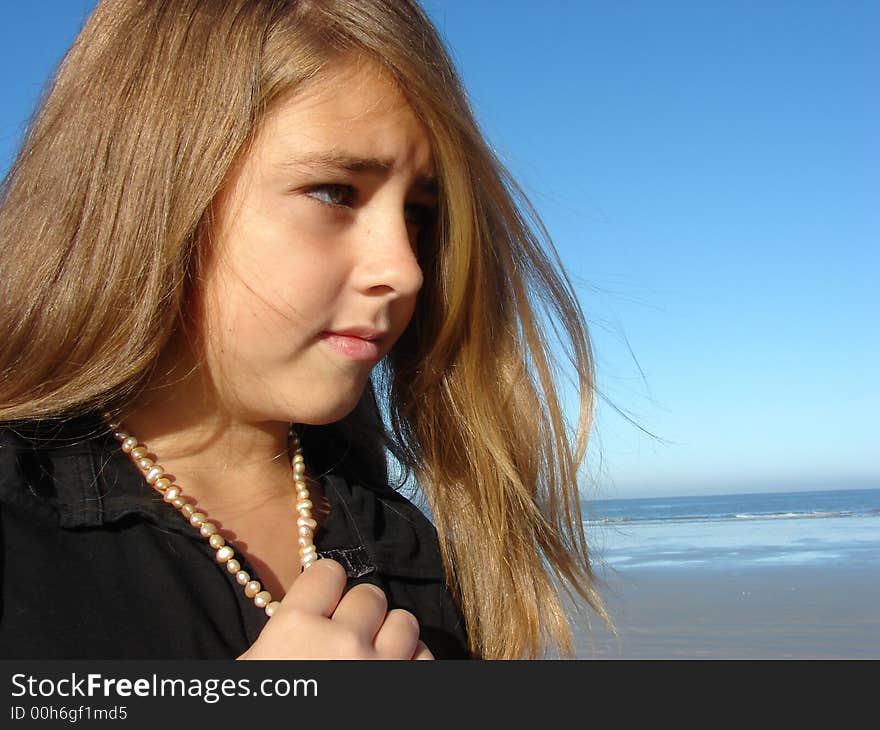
{"x": 388, "y": 263}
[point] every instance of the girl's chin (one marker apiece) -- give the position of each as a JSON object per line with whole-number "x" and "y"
{"x": 320, "y": 414}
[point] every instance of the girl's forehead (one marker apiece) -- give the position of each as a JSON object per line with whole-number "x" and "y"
{"x": 355, "y": 106}
{"x": 356, "y": 87}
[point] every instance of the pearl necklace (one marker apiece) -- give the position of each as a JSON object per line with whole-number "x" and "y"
{"x": 173, "y": 495}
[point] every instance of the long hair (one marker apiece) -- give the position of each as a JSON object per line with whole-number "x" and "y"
{"x": 104, "y": 217}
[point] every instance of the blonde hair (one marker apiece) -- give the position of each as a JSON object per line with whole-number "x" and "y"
{"x": 104, "y": 218}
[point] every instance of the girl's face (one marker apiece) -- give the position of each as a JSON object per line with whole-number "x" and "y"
{"x": 314, "y": 273}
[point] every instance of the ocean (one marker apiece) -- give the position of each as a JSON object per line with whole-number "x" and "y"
{"x": 839, "y": 527}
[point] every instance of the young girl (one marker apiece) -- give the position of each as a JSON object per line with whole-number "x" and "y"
{"x": 248, "y": 248}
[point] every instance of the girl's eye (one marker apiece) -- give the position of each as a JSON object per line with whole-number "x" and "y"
{"x": 333, "y": 194}
{"x": 421, "y": 216}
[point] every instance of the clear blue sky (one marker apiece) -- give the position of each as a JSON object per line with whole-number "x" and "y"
{"x": 709, "y": 172}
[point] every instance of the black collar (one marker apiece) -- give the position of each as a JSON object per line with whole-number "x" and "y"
{"x": 74, "y": 474}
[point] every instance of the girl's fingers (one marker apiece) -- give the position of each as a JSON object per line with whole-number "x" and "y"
{"x": 317, "y": 590}
{"x": 315, "y": 620}
{"x": 422, "y": 652}
{"x": 399, "y": 636}
{"x": 362, "y": 610}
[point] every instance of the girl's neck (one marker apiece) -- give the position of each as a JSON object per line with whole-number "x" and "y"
{"x": 223, "y": 460}
{"x": 237, "y": 472}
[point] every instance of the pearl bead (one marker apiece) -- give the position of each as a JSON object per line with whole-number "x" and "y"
{"x": 129, "y": 443}
{"x": 187, "y": 510}
{"x": 306, "y": 522}
{"x": 162, "y": 483}
{"x": 224, "y": 554}
{"x": 262, "y": 599}
{"x": 216, "y": 541}
{"x": 305, "y": 531}
{"x": 171, "y": 493}
{"x": 308, "y": 549}
{"x": 304, "y": 504}
{"x": 272, "y": 608}
{"x": 197, "y": 518}
{"x": 302, "y": 494}
{"x": 207, "y": 529}
{"x": 308, "y": 560}
{"x": 298, "y": 459}
{"x": 252, "y": 588}
{"x": 242, "y": 577}
{"x": 139, "y": 453}
{"x": 305, "y": 541}
{"x": 178, "y": 502}
{"x": 233, "y": 566}
{"x": 145, "y": 463}
{"x": 120, "y": 435}
{"x": 154, "y": 473}
{"x": 298, "y": 469}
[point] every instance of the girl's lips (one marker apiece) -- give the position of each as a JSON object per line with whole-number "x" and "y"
{"x": 351, "y": 347}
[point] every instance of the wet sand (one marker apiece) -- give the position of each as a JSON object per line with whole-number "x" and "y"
{"x": 774, "y": 612}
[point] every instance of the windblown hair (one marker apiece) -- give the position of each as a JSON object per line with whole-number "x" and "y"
{"x": 104, "y": 218}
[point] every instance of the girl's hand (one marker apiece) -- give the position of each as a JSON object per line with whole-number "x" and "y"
{"x": 315, "y": 621}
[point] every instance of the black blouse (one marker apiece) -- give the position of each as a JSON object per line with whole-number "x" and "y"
{"x": 95, "y": 565}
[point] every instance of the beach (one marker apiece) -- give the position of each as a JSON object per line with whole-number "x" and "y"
{"x": 758, "y": 576}
{"x": 775, "y": 612}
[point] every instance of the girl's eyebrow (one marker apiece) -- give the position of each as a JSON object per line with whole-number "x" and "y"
{"x": 334, "y": 160}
